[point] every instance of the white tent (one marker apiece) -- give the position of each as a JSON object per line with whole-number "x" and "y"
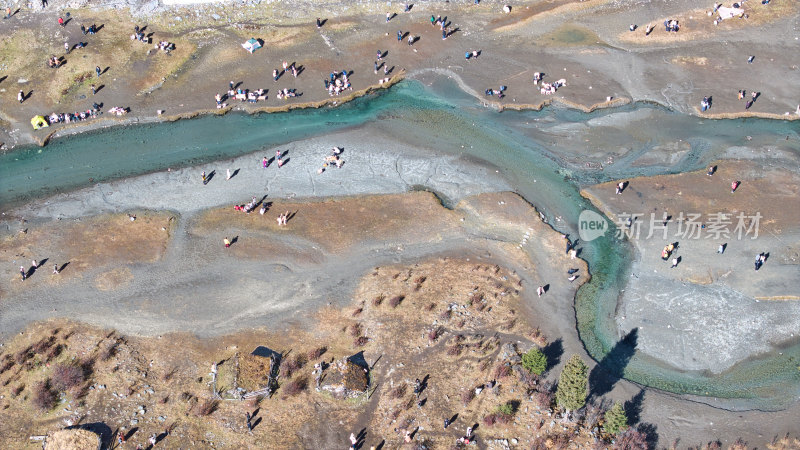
{"x": 251, "y": 45}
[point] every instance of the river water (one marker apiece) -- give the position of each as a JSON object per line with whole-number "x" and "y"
{"x": 547, "y": 155}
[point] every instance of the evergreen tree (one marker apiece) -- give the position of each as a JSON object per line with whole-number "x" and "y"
{"x": 616, "y": 420}
{"x": 535, "y": 361}
{"x": 573, "y": 385}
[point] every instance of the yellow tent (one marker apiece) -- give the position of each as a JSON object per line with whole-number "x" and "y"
{"x": 39, "y": 122}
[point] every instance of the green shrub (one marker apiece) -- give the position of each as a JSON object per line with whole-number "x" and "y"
{"x": 535, "y": 361}
{"x": 616, "y": 420}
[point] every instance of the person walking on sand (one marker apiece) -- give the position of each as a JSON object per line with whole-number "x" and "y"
{"x": 319, "y": 23}
{"x": 94, "y": 89}
{"x": 61, "y": 22}
{"x": 98, "y": 71}
{"x": 8, "y": 13}
{"x": 21, "y": 96}
{"x": 227, "y": 242}
{"x": 55, "y": 269}
{"x": 674, "y": 263}
{"x": 66, "y": 48}
{"x": 247, "y": 417}
{"x": 540, "y": 291}
{"x": 721, "y": 249}
{"x": 227, "y": 174}
{"x": 264, "y": 162}
{"x": 734, "y": 186}
{"x": 22, "y": 272}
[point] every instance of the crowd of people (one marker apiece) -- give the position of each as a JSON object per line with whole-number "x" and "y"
{"x": 671, "y": 25}
{"x": 78, "y": 116}
{"x": 337, "y": 82}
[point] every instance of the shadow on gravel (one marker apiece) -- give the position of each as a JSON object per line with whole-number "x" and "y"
{"x": 612, "y": 367}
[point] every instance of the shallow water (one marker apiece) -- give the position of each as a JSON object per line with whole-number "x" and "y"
{"x": 535, "y": 151}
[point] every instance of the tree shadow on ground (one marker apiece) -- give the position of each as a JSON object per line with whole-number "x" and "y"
{"x": 553, "y": 352}
{"x": 611, "y": 368}
{"x": 633, "y": 408}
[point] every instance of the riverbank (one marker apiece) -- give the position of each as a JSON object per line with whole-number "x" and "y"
{"x": 582, "y": 47}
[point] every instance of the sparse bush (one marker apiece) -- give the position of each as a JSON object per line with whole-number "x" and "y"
{"x": 108, "y": 351}
{"x": 484, "y": 365}
{"x": 534, "y": 361}
{"x": 21, "y": 356}
{"x": 480, "y": 306}
{"x": 430, "y": 306}
{"x": 67, "y": 376}
{"x": 291, "y": 365}
{"x": 445, "y": 315}
{"x": 420, "y": 279}
{"x": 455, "y": 349}
{"x": 502, "y": 370}
{"x": 435, "y": 333}
{"x": 316, "y": 353}
{"x": 356, "y": 329}
{"x": 7, "y": 364}
{"x": 360, "y": 341}
{"x": 17, "y": 390}
{"x": 378, "y": 300}
{"x": 205, "y": 407}
{"x": 461, "y": 323}
{"x": 467, "y": 395}
{"x": 509, "y": 325}
{"x": 185, "y": 396}
{"x": 539, "y": 338}
{"x": 740, "y": 444}
{"x": 633, "y": 439}
{"x": 395, "y": 301}
{"x": 54, "y": 351}
{"x": 475, "y": 298}
{"x": 395, "y": 414}
{"x": 43, "y": 397}
{"x": 399, "y": 391}
{"x": 529, "y": 380}
{"x": 296, "y": 386}
{"x": 43, "y": 344}
{"x": 490, "y": 419}
{"x": 357, "y": 312}
{"x": 543, "y": 399}
{"x": 164, "y": 400}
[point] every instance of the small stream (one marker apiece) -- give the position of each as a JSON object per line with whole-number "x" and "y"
{"x": 547, "y": 155}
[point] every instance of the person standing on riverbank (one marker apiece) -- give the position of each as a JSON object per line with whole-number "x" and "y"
{"x": 98, "y": 71}
{"x": 227, "y": 242}
{"x": 22, "y": 272}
